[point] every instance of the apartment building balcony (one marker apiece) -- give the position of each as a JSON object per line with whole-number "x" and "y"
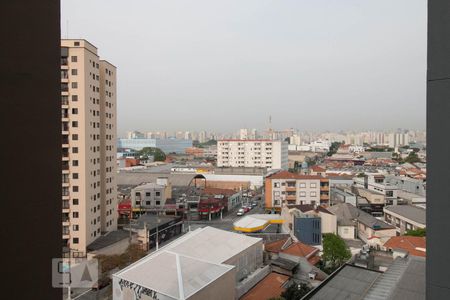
{"x": 291, "y": 198}
{"x": 65, "y": 115}
{"x": 64, "y": 62}
{"x": 291, "y": 189}
{"x": 324, "y": 187}
{"x": 64, "y": 101}
{"x": 324, "y": 197}
{"x": 65, "y": 220}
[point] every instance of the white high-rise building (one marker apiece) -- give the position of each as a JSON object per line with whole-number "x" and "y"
{"x": 202, "y": 137}
{"x": 135, "y": 135}
{"x": 295, "y": 140}
{"x": 89, "y": 190}
{"x": 252, "y": 153}
{"x": 243, "y": 134}
{"x": 187, "y": 135}
{"x": 398, "y": 139}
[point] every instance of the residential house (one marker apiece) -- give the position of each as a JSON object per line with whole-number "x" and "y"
{"x": 368, "y": 228}
{"x": 414, "y": 245}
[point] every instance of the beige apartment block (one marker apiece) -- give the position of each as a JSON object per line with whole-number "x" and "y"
{"x": 88, "y": 95}
{"x": 270, "y": 154}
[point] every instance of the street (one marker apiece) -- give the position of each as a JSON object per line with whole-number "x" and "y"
{"x": 226, "y": 223}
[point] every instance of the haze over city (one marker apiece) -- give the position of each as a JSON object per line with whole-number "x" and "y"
{"x": 224, "y": 65}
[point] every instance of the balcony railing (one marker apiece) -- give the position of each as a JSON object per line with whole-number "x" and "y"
{"x": 64, "y": 101}
{"x": 65, "y": 167}
{"x": 64, "y": 61}
{"x": 65, "y": 219}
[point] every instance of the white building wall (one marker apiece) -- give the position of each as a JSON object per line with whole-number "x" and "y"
{"x": 252, "y": 153}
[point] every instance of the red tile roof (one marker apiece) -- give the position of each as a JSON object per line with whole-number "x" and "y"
{"x": 295, "y": 248}
{"x": 289, "y": 175}
{"x": 218, "y": 191}
{"x": 270, "y": 287}
{"x": 412, "y": 244}
{"x": 318, "y": 169}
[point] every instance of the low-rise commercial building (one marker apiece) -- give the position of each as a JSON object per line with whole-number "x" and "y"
{"x": 207, "y": 263}
{"x": 405, "y": 217}
{"x": 150, "y": 196}
{"x": 378, "y": 183}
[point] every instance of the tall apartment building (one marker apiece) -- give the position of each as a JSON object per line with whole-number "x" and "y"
{"x": 294, "y": 189}
{"x": 252, "y": 153}
{"x": 88, "y": 94}
{"x": 398, "y": 139}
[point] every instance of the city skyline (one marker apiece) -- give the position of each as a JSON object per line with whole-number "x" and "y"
{"x": 312, "y": 67}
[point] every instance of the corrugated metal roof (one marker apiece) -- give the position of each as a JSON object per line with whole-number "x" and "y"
{"x": 350, "y": 283}
{"x": 413, "y": 213}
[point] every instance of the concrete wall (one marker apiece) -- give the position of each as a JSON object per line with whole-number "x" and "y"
{"x": 121, "y": 291}
{"x": 347, "y": 232}
{"x": 116, "y": 248}
{"x": 329, "y": 223}
{"x": 304, "y": 266}
{"x": 247, "y": 261}
{"x": 248, "y": 283}
{"x": 222, "y": 288}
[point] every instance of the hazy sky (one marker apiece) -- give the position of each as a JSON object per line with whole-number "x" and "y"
{"x": 224, "y": 65}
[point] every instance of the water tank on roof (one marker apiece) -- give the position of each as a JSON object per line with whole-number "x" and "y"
{"x": 304, "y": 165}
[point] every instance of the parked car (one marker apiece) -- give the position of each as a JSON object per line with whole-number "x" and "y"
{"x": 240, "y": 212}
{"x": 254, "y": 204}
{"x": 246, "y": 209}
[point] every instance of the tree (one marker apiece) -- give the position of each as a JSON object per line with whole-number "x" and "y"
{"x": 412, "y": 158}
{"x": 207, "y": 144}
{"x": 333, "y": 148}
{"x": 295, "y": 291}
{"x": 157, "y": 153}
{"x": 335, "y": 252}
{"x": 417, "y": 232}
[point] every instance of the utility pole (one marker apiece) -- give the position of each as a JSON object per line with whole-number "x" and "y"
{"x": 157, "y": 233}
{"x": 69, "y": 296}
{"x": 147, "y": 241}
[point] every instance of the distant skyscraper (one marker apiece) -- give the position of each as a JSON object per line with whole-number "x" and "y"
{"x": 202, "y": 137}
{"x": 89, "y": 195}
{"x": 135, "y": 135}
{"x": 187, "y": 135}
{"x": 398, "y": 139}
{"x": 295, "y": 140}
